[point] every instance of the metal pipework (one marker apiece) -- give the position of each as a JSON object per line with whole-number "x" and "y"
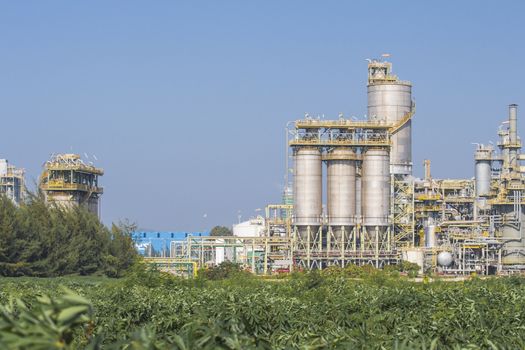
{"x": 375, "y": 188}
{"x": 341, "y": 189}
{"x": 307, "y": 188}
{"x": 513, "y": 136}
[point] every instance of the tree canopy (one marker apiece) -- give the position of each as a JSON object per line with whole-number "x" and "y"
{"x": 37, "y": 239}
{"x": 221, "y": 231}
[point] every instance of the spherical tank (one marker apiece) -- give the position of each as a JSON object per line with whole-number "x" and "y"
{"x": 375, "y": 188}
{"x": 307, "y": 187}
{"x": 341, "y": 187}
{"x": 390, "y": 101}
{"x": 444, "y": 259}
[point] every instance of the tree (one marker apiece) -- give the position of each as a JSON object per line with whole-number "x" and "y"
{"x": 221, "y": 231}
{"x": 45, "y": 240}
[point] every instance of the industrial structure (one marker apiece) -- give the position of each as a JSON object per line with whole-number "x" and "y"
{"x": 68, "y": 181}
{"x": 378, "y": 213}
{"x": 374, "y": 210}
{"x": 12, "y": 183}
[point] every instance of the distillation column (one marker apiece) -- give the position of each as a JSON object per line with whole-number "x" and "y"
{"x": 341, "y": 192}
{"x": 390, "y": 100}
{"x": 513, "y": 228}
{"x": 307, "y": 191}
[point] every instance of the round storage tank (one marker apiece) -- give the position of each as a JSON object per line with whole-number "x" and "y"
{"x": 341, "y": 187}
{"x": 307, "y": 187}
{"x": 430, "y": 236}
{"x": 375, "y": 188}
{"x": 416, "y": 256}
{"x": 390, "y": 101}
{"x": 445, "y": 259}
{"x": 483, "y": 176}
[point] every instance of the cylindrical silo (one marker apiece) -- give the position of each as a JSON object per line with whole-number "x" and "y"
{"x": 389, "y": 100}
{"x": 375, "y": 188}
{"x": 307, "y": 189}
{"x": 341, "y": 189}
{"x": 483, "y": 170}
{"x": 430, "y": 236}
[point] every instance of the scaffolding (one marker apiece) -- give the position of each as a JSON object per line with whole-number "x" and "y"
{"x": 69, "y": 182}
{"x": 12, "y": 182}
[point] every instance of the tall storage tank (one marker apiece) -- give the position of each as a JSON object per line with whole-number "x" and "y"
{"x": 341, "y": 189}
{"x": 483, "y": 170}
{"x": 375, "y": 188}
{"x": 307, "y": 188}
{"x": 389, "y": 100}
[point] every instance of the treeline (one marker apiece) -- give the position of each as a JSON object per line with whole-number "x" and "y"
{"x": 37, "y": 239}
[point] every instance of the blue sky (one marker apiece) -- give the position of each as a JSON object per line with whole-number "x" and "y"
{"x": 185, "y": 103}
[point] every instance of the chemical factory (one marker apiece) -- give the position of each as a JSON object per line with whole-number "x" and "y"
{"x": 12, "y": 182}
{"x": 374, "y": 212}
{"x": 378, "y": 213}
{"x": 68, "y": 181}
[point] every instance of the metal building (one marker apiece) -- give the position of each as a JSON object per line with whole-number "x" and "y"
{"x": 12, "y": 183}
{"x": 68, "y": 181}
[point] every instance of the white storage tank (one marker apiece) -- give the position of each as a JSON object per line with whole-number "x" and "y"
{"x": 415, "y": 256}
{"x": 249, "y": 228}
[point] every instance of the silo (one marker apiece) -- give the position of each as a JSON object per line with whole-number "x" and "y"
{"x": 483, "y": 170}
{"x": 389, "y": 100}
{"x": 307, "y": 189}
{"x": 375, "y": 188}
{"x": 341, "y": 190}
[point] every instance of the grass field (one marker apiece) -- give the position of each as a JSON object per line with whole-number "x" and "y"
{"x": 305, "y": 311}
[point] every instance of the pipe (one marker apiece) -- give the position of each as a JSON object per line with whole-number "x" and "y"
{"x": 513, "y": 136}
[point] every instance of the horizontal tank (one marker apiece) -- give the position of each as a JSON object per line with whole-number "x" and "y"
{"x": 307, "y": 187}
{"x": 375, "y": 188}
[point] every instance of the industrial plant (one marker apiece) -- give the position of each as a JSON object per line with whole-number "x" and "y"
{"x": 376, "y": 212}
{"x": 12, "y": 181}
{"x": 68, "y": 181}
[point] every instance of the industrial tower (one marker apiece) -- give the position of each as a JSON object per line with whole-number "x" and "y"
{"x": 68, "y": 181}
{"x": 12, "y": 183}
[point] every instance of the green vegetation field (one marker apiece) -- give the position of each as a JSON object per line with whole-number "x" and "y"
{"x": 149, "y": 310}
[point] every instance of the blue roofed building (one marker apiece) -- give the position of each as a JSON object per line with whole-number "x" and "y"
{"x": 160, "y": 244}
